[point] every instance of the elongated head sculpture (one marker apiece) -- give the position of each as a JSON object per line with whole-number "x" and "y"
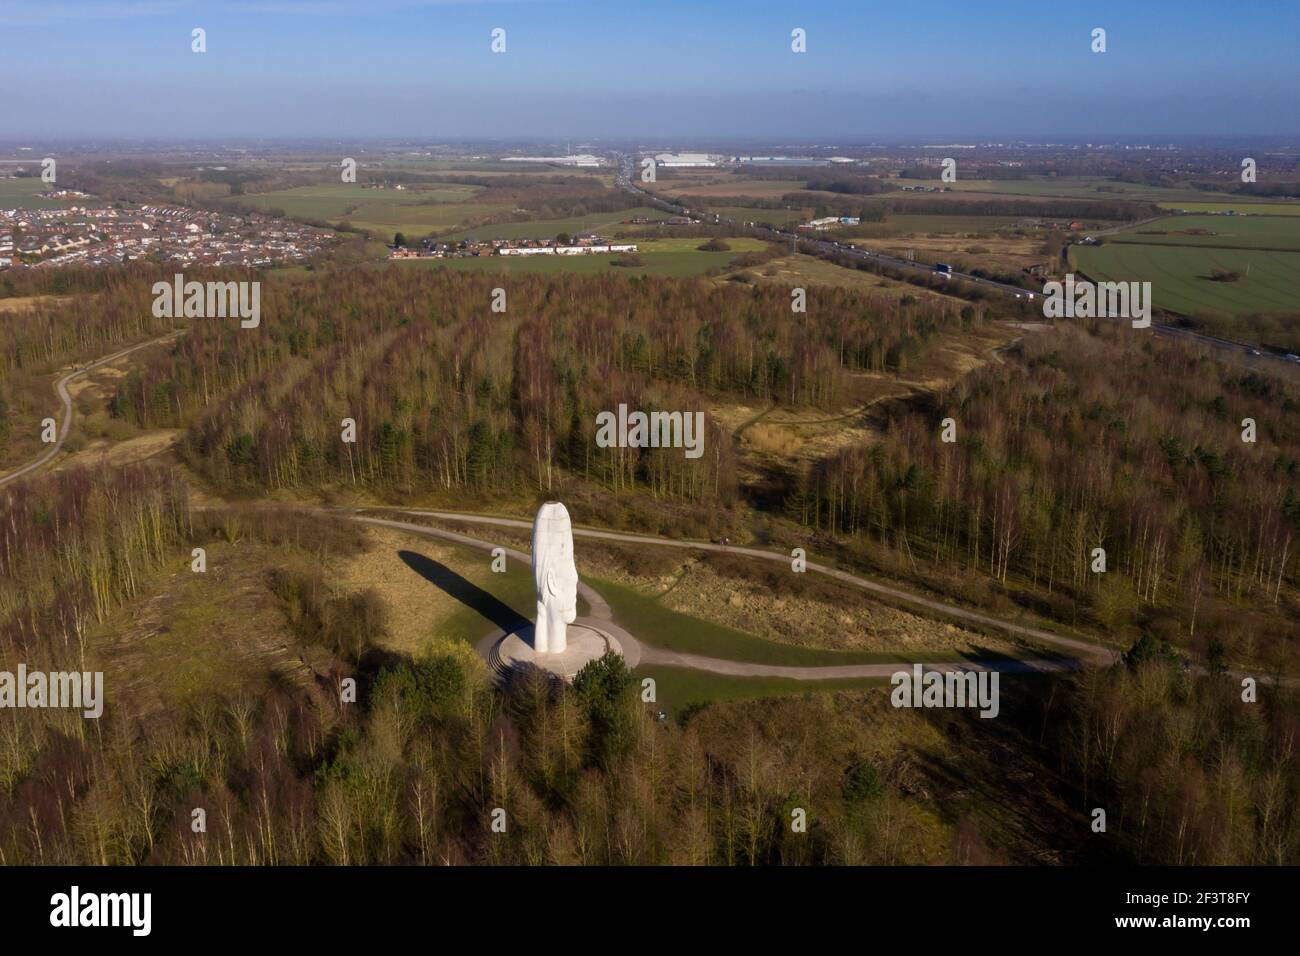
{"x": 556, "y": 577}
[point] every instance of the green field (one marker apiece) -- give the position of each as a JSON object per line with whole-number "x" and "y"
{"x": 1223, "y": 232}
{"x": 438, "y": 207}
{"x": 701, "y": 187}
{"x": 1252, "y": 209}
{"x": 904, "y": 225}
{"x": 23, "y": 194}
{"x": 778, "y": 217}
{"x": 661, "y": 257}
{"x": 1180, "y": 276}
{"x": 418, "y": 220}
{"x": 1079, "y": 187}
{"x": 1179, "y": 254}
{"x": 549, "y": 228}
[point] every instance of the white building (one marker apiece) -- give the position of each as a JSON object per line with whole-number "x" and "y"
{"x": 589, "y": 249}
{"x": 678, "y": 160}
{"x": 580, "y": 159}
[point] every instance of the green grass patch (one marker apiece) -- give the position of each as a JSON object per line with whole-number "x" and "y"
{"x": 1252, "y": 208}
{"x": 513, "y": 587}
{"x": 334, "y": 199}
{"x": 1077, "y": 187}
{"x": 652, "y": 623}
{"x": 419, "y": 210}
{"x": 1220, "y": 232}
{"x": 23, "y": 193}
{"x": 777, "y": 217}
{"x": 1181, "y": 276}
{"x": 550, "y": 228}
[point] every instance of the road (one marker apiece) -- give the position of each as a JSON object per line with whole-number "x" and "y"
{"x": 828, "y": 247}
{"x": 62, "y": 388}
{"x": 823, "y": 246}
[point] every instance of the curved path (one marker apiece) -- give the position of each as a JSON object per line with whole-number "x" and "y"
{"x": 1080, "y": 651}
{"x": 602, "y": 616}
{"x": 62, "y": 388}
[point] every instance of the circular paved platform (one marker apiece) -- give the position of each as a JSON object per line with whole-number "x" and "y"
{"x": 514, "y": 652}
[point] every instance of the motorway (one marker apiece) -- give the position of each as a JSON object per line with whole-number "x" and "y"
{"x": 1075, "y": 652}
{"x": 828, "y": 247}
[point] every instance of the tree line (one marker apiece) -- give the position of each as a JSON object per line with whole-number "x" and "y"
{"x": 1092, "y": 438}
{"x": 447, "y": 394}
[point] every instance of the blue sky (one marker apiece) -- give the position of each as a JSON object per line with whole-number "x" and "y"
{"x": 944, "y": 69}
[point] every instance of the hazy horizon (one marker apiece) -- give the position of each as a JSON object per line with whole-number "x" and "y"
{"x": 414, "y": 69}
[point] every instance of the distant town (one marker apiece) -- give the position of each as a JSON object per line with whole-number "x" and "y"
{"x": 110, "y": 234}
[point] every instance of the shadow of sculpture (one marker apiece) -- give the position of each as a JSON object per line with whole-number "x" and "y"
{"x": 466, "y": 592}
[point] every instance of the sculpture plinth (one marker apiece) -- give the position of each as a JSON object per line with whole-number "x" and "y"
{"x": 584, "y": 643}
{"x": 558, "y": 644}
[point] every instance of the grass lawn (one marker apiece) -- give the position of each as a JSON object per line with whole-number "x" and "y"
{"x": 513, "y": 587}
{"x": 23, "y": 193}
{"x": 652, "y": 623}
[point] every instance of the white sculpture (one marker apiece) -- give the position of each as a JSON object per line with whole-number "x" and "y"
{"x": 556, "y": 577}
